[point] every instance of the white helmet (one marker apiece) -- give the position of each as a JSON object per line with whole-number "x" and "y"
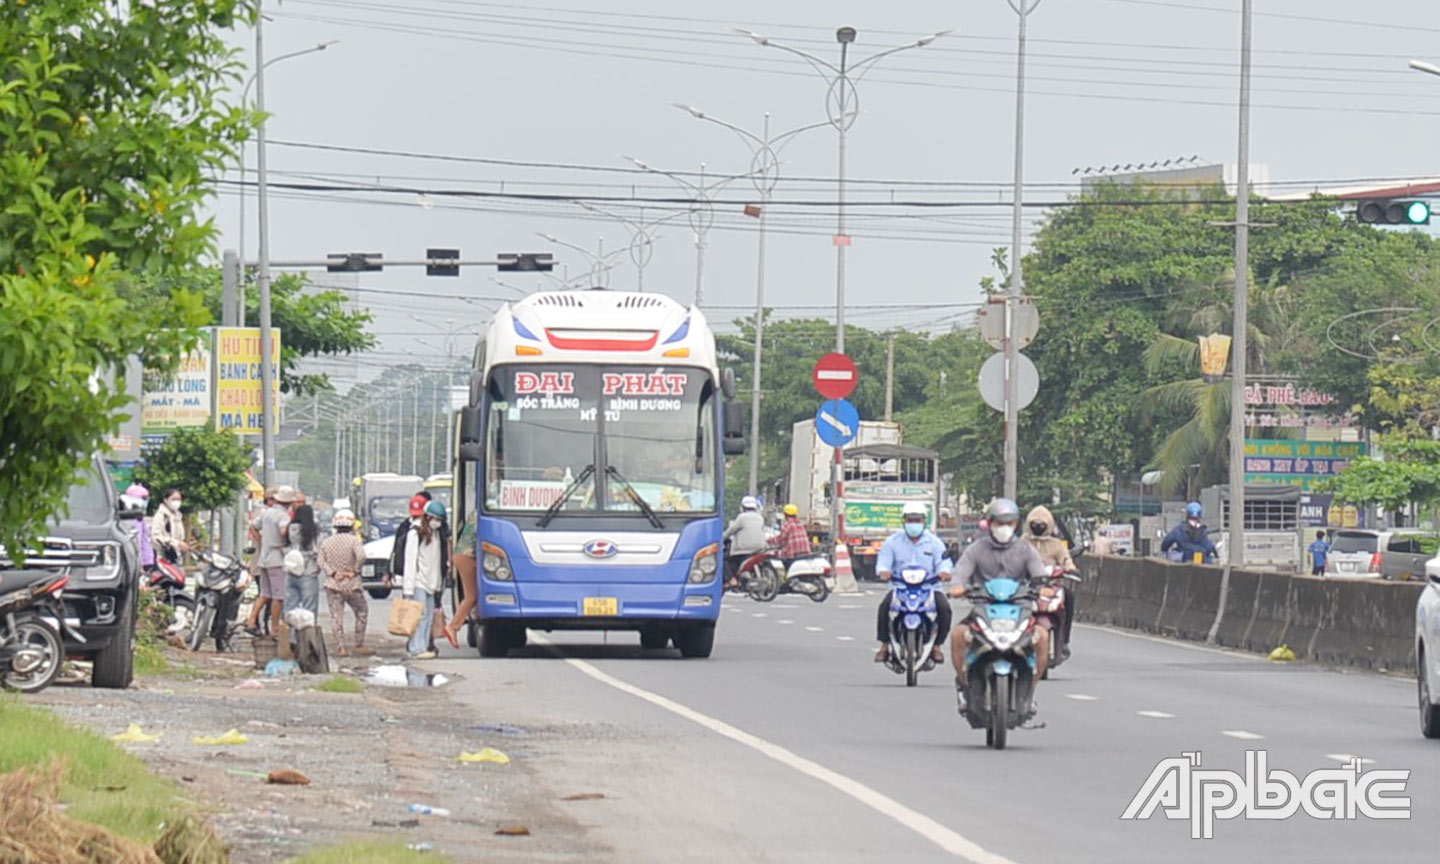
{"x": 914, "y": 508}
{"x": 343, "y": 519}
{"x": 749, "y": 502}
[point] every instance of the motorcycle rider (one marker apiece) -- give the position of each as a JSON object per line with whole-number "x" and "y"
{"x": 1190, "y": 538}
{"x": 998, "y": 552}
{"x": 794, "y": 540}
{"x": 746, "y": 534}
{"x": 915, "y": 546}
{"x": 1042, "y": 532}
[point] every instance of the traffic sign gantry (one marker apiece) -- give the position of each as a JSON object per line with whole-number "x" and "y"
{"x": 835, "y": 376}
{"x": 837, "y": 422}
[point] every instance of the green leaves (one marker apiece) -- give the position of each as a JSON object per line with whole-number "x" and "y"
{"x": 207, "y": 466}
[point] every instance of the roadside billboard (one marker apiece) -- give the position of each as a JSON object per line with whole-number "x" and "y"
{"x": 237, "y": 379}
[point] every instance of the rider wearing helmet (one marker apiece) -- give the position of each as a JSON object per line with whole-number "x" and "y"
{"x": 998, "y": 552}
{"x": 1191, "y": 538}
{"x": 746, "y": 534}
{"x": 794, "y": 540}
{"x": 914, "y": 546}
{"x": 138, "y": 497}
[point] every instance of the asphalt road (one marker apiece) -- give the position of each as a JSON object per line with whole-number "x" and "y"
{"x": 791, "y": 745}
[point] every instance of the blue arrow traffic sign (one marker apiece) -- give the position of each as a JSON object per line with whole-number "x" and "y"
{"x": 837, "y": 422}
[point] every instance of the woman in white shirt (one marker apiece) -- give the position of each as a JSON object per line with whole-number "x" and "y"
{"x": 422, "y": 561}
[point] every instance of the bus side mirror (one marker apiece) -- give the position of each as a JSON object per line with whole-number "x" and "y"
{"x": 733, "y": 443}
{"x": 470, "y": 425}
{"x": 472, "y": 451}
{"x": 727, "y": 383}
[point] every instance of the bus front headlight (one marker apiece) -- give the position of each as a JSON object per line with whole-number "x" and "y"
{"x": 705, "y": 563}
{"x": 495, "y": 562}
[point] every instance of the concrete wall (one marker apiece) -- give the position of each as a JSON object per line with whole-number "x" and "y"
{"x": 1361, "y": 624}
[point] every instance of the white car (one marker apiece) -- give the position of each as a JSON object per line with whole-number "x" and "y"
{"x": 1427, "y": 650}
{"x": 376, "y": 575}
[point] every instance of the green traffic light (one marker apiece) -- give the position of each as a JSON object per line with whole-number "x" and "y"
{"x": 1418, "y": 213}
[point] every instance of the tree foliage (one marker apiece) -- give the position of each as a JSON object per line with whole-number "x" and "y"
{"x": 110, "y": 122}
{"x": 1409, "y": 473}
{"x": 208, "y": 467}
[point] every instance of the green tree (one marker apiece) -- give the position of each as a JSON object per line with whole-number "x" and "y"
{"x": 1409, "y": 474}
{"x": 110, "y": 123}
{"x": 208, "y": 467}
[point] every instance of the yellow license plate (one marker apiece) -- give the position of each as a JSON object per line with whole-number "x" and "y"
{"x": 602, "y": 606}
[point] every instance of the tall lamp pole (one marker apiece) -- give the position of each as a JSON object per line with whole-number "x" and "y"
{"x": 701, "y": 213}
{"x": 1022, "y": 8}
{"x": 764, "y": 174}
{"x": 267, "y": 349}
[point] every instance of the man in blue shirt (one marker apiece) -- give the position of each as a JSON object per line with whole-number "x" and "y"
{"x": 1191, "y": 538}
{"x": 913, "y": 547}
{"x": 1319, "y": 553}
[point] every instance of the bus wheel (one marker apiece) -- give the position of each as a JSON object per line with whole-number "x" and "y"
{"x": 696, "y": 641}
{"x": 495, "y": 639}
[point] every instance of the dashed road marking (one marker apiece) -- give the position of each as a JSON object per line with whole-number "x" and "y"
{"x": 784, "y": 621}
{"x": 1158, "y": 715}
{"x": 846, "y": 638}
{"x": 851, "y": 606}
{"x": 757, "y": 614}
{"x": 1346, "y": 757}
{"x": 1081, "y": 697}
{"x": 815, "y": 629}
{"x": 1241, "y": 734}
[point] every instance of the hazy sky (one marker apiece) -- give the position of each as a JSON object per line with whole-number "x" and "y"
{"x": 575, "y": 84}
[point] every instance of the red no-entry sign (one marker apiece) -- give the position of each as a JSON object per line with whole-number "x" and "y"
{"x": 835, "y": 376}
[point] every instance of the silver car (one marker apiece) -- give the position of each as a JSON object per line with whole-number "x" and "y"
{"x": 1398, "y": 553}
{"x": 1427, "y": 651}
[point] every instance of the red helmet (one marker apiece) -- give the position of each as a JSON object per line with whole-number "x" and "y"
{"x": 417, "y": 505}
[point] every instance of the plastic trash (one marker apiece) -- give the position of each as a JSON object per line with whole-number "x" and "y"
{"x": 278, "y": 667}
{"x": 231, "y": 737}
{"x": 427, "y": 810}
{"x": 134, "y": 733}
{"x": 1282, "y": 654}
{"x": 514, "y": 831}
{"x": 426, "y": 846}
{"x": 250, "y": 684}
{"x": 486, "y": 754}
{"x": 299, "y": 619}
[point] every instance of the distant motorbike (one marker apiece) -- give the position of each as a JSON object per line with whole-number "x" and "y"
{"x": 32, "y": 628}
{"x": 217, "y": 599}
{"x": 167, "y": 580}
{"x": 755, "y": 579}
{"x": 809, "y": 576}
{"x": 913, "y": 623}
{"x": 1050, "y": 604}
{"x": 1000, "y": 662}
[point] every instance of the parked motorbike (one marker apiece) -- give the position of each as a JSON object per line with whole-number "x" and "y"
{"x": 167, "y": 580}
{"x": 913, "y": 623}
{"x": 1000, "y": 662}
{"x": 32, "y": 628}
{"x": 218, "y": 589}
{"x": 1050, "y": 604}
{"x": 809, "y": 576}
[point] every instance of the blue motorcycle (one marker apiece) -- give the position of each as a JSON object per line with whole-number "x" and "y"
{"x": 913, "y": 628}
{"x": 1000, "y": 661}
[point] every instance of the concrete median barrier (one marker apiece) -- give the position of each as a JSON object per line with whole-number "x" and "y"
{"x": 1351, "y": 623}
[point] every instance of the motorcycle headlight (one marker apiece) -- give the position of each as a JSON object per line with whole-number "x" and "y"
{"x": 1005, "y": 626}
{"x": 107, "y": 554}
{"x": 495, "y": 562}
{"x": 703, "y": 566}
{"x": 914, "y": 576}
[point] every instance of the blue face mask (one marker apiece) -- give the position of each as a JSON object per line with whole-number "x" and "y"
{"x": 914, "y": 529}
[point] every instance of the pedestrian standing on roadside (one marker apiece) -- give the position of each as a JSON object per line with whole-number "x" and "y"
{"x": 1319, "y": 554}
{"x": 465, "y": 565}
{"x": 302, "y": 591}
{"x": 138, "y": 497}
{"x": 342, "y": 557}
{"x": 420, "y": 559}
{"x": 272, "y": 525}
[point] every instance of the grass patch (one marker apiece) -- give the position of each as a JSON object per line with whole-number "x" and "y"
{"x": 103, "y": 784}
{"x": 370, "y": 852}
{"x": 341, "y": 684}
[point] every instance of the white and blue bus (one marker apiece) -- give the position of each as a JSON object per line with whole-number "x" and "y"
{"x": 593, "y": 451}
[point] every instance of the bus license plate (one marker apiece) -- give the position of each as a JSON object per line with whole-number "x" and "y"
{"x": 602, "y": 606}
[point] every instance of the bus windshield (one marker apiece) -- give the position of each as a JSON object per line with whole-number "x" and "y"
{"x": 642, "y": 431}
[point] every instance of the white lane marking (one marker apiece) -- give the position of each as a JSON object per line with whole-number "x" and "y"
{"x": 1346, "y": 757}
{"x": 1081, "y": 697}
{"x": 846, "y": 638}
{"x": 947, "y": 839}
{"x": 757, "y": 614}
{"x": 783, "y": 606}
{"x": 1158, "y": 715}
{"x": 784, "y": 621}
{"x": 851, "y": 606}
{"x": 816, "y": 629}
{"x": 1241, "y": 734}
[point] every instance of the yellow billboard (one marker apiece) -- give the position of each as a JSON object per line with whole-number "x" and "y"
{"x": 237, "y": 379}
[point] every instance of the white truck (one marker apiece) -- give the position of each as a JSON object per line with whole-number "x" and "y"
{"x": 881, "y": 473}
{"x": 385, "y": 501}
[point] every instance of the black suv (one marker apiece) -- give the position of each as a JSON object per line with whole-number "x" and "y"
{"x": 103, "y": 592}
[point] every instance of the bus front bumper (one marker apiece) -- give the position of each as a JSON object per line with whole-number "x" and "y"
{"x": 599, "y": 605}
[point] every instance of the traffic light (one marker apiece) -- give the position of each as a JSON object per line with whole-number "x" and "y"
{"x": 1393, "y": 212}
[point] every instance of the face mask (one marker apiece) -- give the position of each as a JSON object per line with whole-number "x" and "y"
{"x": 1038, "y": 528}
{"x": 173, "y": 504}
{"x": 1002, "y": 533}
{"x": 914, "y": 529}
{"x": 1194, "y": 523}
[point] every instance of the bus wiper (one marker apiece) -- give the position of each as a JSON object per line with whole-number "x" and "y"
{"x": 640, "y": 502}
{"x": 554, "y": 509}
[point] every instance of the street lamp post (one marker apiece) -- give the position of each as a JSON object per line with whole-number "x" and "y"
{"x": 842, "y": 80}
{"x": 642, "y": 240}
{"x": 1022, "y": 8}
{"x": 599, "y": 269}
{"x": 701, "y": 213}
{"x": 764, "y": 174}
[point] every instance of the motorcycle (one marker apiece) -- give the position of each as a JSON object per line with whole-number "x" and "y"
{"x": 913, "y": 623}
{"x": 32, "y": 628}
{"x": 218, "y": 589}
{"x": 761, "y": 583}
{"x": 168, "y": 580}
{"x": 1000, "y": 660}
{"x": 1050, "y": 604}
{"x": 809, "y": 576}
